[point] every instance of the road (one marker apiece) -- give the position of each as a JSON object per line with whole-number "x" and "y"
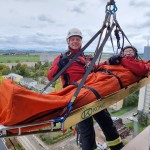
{"x": 31, "y": 143}
{"x": 2, "y": 145}
{"x": 128, "y": 114}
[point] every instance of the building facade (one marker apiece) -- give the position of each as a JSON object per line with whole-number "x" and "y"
{"x": 144, "y": 95}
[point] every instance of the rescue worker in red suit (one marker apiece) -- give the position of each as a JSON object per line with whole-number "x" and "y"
{"x": 74, "y": 73}
{"x": 129, "y": 58}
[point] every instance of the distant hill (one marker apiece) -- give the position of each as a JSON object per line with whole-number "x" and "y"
{"x": 22, "y": 51}
{"x": 36, "y": 51}
{"x": 42, "y": 51}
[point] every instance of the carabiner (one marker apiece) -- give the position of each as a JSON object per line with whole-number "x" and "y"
{"x": 108, "y": 8}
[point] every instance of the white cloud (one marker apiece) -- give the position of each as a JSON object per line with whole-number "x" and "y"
{"x": 44, "y": 23}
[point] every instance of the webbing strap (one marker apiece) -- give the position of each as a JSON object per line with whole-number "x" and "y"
{"x": 100, "y": 49}
{"x": 98, "y": 96}
{"x": 117, "y": 24}
{"x": 112, "y": 42}
{"x": 117, "y": 37}
{"x": 110, "y": 73}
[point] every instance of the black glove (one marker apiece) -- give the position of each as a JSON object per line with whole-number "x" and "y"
{"x": 62, "y": 62}
{"x": 115, "y": 60}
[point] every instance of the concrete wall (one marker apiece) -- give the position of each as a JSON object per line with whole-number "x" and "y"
{"x": 146, "y": 55}
{"x": 143, "y": 90}
{"x": 141, "y": 99}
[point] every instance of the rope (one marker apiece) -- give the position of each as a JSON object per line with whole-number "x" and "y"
{"x": 117, "y": 24}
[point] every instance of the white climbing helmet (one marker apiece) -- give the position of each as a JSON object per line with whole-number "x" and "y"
{"x": 74, "y": 31}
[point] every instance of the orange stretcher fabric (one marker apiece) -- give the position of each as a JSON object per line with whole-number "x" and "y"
{"x": 20, "y": 106}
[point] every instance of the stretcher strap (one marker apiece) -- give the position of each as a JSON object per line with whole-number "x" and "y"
{"x": 110, "y": 73}
{"x": 98, "y": 96}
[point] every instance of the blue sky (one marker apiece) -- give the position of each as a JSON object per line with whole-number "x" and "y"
{"x": 43, "y": 24}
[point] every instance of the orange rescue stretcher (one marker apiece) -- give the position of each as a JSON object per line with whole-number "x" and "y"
{"x": 24, "y": 112}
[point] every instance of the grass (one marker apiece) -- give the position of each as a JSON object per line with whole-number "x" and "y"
{"x": 52, "y": 138}
{"x": 19, "y": 147}
{"x": 19, "y": 58}
{"x": 12, "y": 144}
{"x": 122, "y": 111}
{"x": 140, "y": 127}
{"x": 130, "y": 124}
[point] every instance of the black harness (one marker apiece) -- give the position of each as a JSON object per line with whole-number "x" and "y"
{"x": 66, "y": 76}
{"x": 97, "y": 95}
{"x": 110, "y": 73}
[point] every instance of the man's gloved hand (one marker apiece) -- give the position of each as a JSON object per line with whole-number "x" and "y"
{"x": 62, "y": 62}
{"x": 115, "y": 60}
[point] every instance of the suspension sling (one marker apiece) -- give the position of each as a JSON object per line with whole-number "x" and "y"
{"x": 98, "y": 52}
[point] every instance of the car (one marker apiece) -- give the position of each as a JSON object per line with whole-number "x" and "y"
{"x": 135, "y": 114}
{"x": 115, "y": 118}
{"x": 130, "y": 118}
{"x": 101, "y": 146}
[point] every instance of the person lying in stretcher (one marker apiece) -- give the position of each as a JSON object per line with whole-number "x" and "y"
{"x": 130, "y": 59}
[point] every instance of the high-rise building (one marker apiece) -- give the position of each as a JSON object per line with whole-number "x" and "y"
{"x": 144, "y": 95}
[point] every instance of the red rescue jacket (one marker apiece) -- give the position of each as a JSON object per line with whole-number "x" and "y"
{"x": 138, "y": 67}
{"x": 72, "y": 74}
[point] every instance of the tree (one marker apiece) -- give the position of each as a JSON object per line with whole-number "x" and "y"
{"x": 18, "y": 66}
{"x": 1, "y": 78}
{"x": 57, "y": 84}
{"x": 4, "y": 69}
{"x": 45, "y": 73}
{"x": 38, "y": 65}
{"x": 131, "y": 100}
{"x": 143, "y": 118}
{"x": 46, "y": 64}
{"x": 24, "y": 70}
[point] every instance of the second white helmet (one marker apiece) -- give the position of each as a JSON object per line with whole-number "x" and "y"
{"x": 73, "y": 32}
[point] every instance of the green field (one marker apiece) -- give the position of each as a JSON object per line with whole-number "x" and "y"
{"x": 18, "y": 58}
